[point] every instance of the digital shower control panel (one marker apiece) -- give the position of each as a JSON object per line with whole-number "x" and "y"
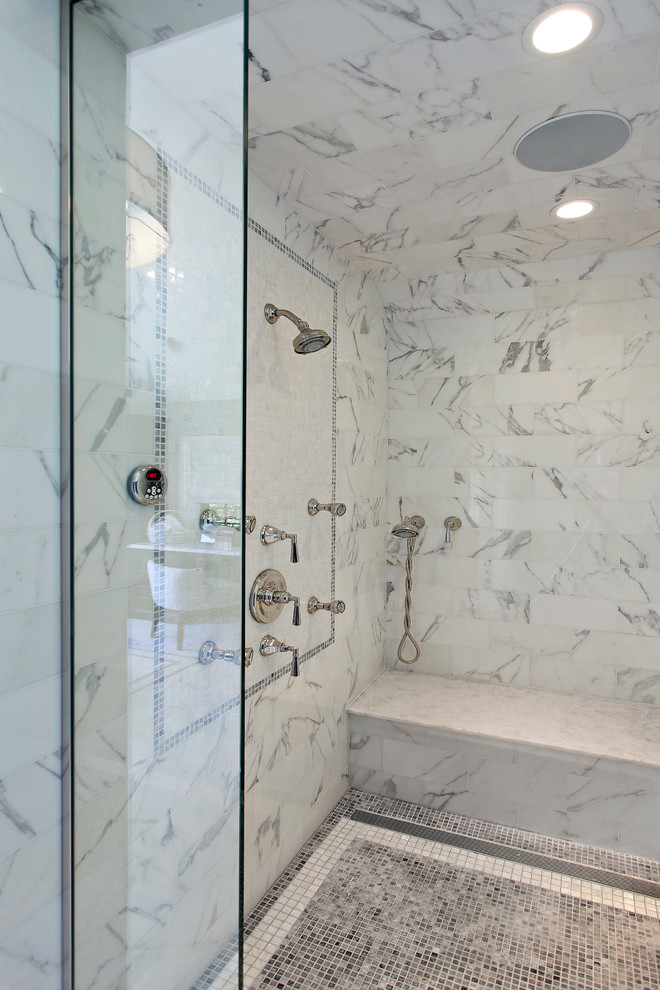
{"x": 147, "y": 484}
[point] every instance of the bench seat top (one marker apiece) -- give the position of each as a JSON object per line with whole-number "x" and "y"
{"x": 618, "y": 730}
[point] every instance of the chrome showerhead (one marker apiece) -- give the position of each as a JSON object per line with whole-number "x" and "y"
{"x": 308, "y": 340}
{"x": 409, "y": 528}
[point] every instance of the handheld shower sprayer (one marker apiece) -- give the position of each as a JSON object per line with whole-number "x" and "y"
{"x": 408, "y": 529}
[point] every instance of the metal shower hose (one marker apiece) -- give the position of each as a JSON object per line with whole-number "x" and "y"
{"x": 408, "y": 604}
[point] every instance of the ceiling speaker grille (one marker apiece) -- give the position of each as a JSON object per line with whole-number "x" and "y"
{"x": 572, "y": 140}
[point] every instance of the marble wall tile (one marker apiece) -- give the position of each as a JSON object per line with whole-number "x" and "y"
{"x": 640, "y": 550}
{"x": 594, "y": 450}
{"x": 573, "y": 613}
{"x": 492, "y": 665}
{"x": 591, "y": 679}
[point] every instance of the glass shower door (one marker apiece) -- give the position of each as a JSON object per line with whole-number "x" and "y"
{"x": 157, "y": 411}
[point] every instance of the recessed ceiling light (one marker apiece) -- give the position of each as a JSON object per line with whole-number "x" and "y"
{"x": 574, "y": 209}
{"x": 562, "y": 29}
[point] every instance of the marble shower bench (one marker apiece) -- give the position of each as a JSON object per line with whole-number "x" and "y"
{"x": 578, "y": 768}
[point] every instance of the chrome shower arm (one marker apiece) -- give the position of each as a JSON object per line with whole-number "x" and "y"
{"x": 272, "y": 314}
{"x": 301, "y": 324}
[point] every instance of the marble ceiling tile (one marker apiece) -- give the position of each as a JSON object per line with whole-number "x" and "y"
{"x": 326, "y": 29}
{"x": 391, "y": 164}
{"x": 477, "y": 8}
{"x": 426, "y": 212}
{"x": 472, "y": 143}
{"x": 426, "y": 260}
{"x": 633, "y": 17}
{"x": 645, "y": 238}
{"x": 348, "y": 84}
{"x": 544, "y": 242}
{"x": 494, "y": 223}
{"x": 268, "y": 58}
{"x": 359, "y": 246}
{"x": 636, "y": 224}
{"x": 401, "y": 119}
{"x": 652, "y": 149}
{"x": 335, "y": 174}
{"x": 357, "y": 205}
{"x": 603, "y": 69}
{"x": 385, "y": 241}
{"x": 551, "y": 189}
{"x": 460, "y": 52}
{"x": 641, "y": 105}
{"x": 298, "y": 145}
{"x": 451, "y": 184}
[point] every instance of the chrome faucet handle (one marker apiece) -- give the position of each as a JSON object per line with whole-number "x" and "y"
{"x": 334, "y": 508}
{"x": 336, "y": 606}
{"x": 269, "y": 597}
{"x": 271, "y": 645}
{"x": 270, "y": 534}
{"x": 208, "y": 652}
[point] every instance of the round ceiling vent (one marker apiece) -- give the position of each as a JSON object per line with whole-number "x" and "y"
{"x": 572, "y": 140}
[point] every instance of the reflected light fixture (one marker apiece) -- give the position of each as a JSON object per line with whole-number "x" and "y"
{"x": 574, "y": 209}
{"x": 562, "y": 29}
{"x": 147, "y": 238}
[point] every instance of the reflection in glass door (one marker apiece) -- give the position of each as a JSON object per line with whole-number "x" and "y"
{"x": 157, "y": 118}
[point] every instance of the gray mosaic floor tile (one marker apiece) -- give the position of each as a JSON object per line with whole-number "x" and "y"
{"x": 388, "y": 907}
{"x": 390, "y": 920}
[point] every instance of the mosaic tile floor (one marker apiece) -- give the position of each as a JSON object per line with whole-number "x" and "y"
{"x": 379, "y": 908}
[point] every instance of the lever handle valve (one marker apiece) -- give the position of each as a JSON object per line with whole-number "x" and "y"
{"x": 270, "y": 534}
{"x": 281, "y": 598}
{"x": 271, "y": 645}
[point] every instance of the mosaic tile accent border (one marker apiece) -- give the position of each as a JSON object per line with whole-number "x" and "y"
{"x": 166, "y": 164}
{"x": 160, "y": 426}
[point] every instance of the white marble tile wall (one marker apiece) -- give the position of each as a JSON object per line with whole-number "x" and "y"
{"x": 524, "y": 399}
{"x": 30, "y": 673}
{"x": 296, "y": 730}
